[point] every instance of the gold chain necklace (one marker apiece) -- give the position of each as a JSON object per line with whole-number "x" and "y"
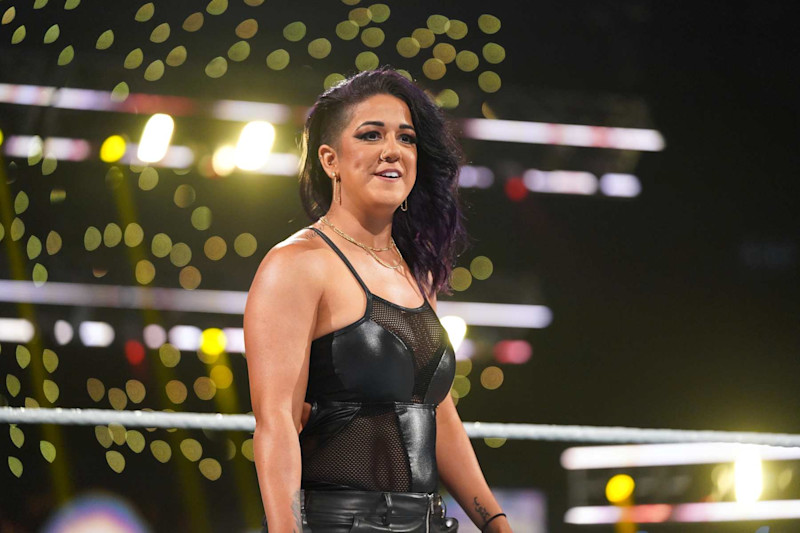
{"x": 369, "y": 249}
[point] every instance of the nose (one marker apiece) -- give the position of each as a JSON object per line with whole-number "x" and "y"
{"x": 390, "y": 152}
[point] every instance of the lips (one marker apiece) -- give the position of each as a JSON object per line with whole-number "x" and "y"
{"x": 390, "y": 173}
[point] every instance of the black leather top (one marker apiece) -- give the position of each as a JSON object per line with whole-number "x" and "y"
{"x": 374, "y": 386}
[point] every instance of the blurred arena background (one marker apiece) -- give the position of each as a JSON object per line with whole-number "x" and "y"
{"x": 631, "y": 193}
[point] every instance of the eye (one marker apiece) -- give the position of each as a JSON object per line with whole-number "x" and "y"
{"x": 370, "y": 136}
{"x": 407, "y": 138}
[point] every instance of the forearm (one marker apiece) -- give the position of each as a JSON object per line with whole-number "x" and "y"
{"x": 461, "y": 473}
{"x": 276, "y": 451}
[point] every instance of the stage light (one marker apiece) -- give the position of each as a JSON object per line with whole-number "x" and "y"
{"x": 619, "y": 488}
{"x": 154, "y": 336}
{"x": 514, "y": 352}
{"x": 93, "y": 333}
{"x": 749, "y": 477}
{"x": 560, "y": 181}
{"x": 224, "y": 160}
{"x": 185, "y": 337}
{"x": 63, "y": 332}
{"x": 456, "y": 329}
{"x": 213, "y": 341}
{"x": 134, "y": 352}
{"x": 155, "y": 138}
{"x": 112, "y": 149}
{"x": 254, "y": 145}
{"x": 16, "y": 330}
{"x": 621, "y": 185}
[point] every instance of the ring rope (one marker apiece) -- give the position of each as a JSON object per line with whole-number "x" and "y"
{"x": 475, "y": 430}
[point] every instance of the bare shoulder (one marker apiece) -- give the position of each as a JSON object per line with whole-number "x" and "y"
{"x": 298, "y": 262}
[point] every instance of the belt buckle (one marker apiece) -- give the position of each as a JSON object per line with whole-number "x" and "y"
{"x": 438, "y": 507}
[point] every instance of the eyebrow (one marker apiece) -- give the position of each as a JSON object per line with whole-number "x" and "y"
{"x": 382, "y": 125}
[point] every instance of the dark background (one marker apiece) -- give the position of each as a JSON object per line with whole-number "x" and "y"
{"x": 677, "y": 308}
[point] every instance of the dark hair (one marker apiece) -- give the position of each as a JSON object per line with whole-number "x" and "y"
{"x": 431, "y": 233}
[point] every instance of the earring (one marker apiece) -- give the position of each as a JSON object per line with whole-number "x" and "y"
{"x": 404, "y": 205}
{"x": 337, "y": 191}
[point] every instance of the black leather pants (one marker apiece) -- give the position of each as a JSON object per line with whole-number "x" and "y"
{"x": 354, "y": 511}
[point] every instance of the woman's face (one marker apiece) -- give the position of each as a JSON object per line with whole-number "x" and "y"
{"x": 376, "y": 156}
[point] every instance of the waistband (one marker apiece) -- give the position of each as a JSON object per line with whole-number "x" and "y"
{"x": 386, "y": 504}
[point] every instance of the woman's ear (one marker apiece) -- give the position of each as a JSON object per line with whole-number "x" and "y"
{"x": 327, "y": 158}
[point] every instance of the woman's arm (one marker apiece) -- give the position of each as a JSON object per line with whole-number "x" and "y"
{"x": 459, "y": 470}
{"x": 279, "y": 321}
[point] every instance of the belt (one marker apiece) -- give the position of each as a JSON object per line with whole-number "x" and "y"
{"x": 346, "y": 504}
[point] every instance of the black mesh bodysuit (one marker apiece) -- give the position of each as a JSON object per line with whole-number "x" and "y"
{"x": 374, "y": 386}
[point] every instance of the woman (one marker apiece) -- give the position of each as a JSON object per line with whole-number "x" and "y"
{"x": 339, "y": 348}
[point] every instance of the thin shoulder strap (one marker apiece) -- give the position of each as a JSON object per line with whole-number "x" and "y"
{"x": 344, "y": 258}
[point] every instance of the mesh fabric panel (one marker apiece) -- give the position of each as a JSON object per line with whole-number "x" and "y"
{"x": 421, "y": 332}
{"x": 368, "y": 453}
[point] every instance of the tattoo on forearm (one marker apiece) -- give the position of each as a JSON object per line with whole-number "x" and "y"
{"x": 481, "y": 510}
{"x": 297, "y": 514}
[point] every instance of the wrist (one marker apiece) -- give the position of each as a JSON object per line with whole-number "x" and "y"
{"x": 493, "y": 523}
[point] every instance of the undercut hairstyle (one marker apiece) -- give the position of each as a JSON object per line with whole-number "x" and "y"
{"x": 431, "y": 234}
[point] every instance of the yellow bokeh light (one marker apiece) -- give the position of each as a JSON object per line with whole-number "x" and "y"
{"x": 424, "y": 37}
{"x": 23, "y": 356}
{"x": 492, "y": 377}
{"x": 461, "y": 386}
{"x": 13, "y": 385}
{"x": 463, "y": 367}
{"x": 145, "y": 272}
{"x": 210, "y": 468}
{"x": 379, "y": 12}
{"x": 319, "y": 48}
{"x": 481, "y": 267}
{"x": 180, "y": 255}
{"x": 254, "y": 145}
{"x": 247, "y": 28}
{"x": 176, "y": 391}
{"x": 347, "y": 30}
{"x": 117, "y": 398}
{"x": 170, "y": 355}
{"x": 460, "y": 279}
{"x": 161, "y": 451}
{"x": 204, "y": 388}
{"x": 215, "y": 248}
{"x": 278, "y": 59}
{"x": 161, "y": 245}
{"x": 213, "y": 341}
{"x": 224, "y": 160}
{"x": 134, "y": 235}
{"x": 95, "y": 388}
{"x": 112, "y": 149}
{"x": 189, "y": 278}
{"x": 438, "y": 24}
{"x": 156, "y": 137}
{"x": 489, "y": 24}
{"x": 135, "y": 440}
{"x": 367, "y": 61}
{"x": 245, "y": 245}
{"x": 222, "y": 376}
{"x": 136, "y": 390}
{"x": 247, "y": 449}
{"x": 434, "y": 68}
{"x": 21, "y": 202}
{"x": 494, "y": 442}
{"x": 619, "y": 488}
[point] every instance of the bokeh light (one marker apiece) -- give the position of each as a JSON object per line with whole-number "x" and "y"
{"x": 619, "y": 488}
{"x": 112, "y": 149}
{"x": 213, "y": 341}
{"x": 492, "y": 377}
{"x": 156, "y": 137}
{"x": 254, "y": 145}
{"x": 456, "y": 329}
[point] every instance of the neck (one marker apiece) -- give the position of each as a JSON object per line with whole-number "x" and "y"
{"x": 367, "y": 229}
